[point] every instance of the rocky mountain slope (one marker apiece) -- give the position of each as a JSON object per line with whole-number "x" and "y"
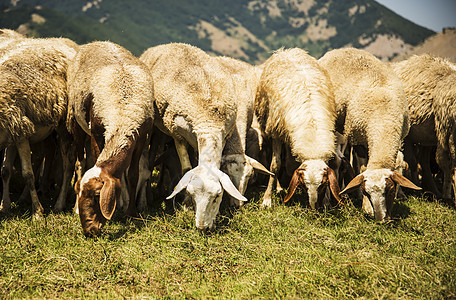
{"x": 442, "y": 44}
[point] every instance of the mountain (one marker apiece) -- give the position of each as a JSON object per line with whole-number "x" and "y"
{"x": 442, "y": 44}
{"x": 246, "y": 29}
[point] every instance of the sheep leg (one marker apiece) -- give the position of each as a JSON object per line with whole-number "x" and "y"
{"x": 144, "y": 176}
{"x": 443, "y": 161}
{"x": 23, "y": 148}
{"x": 133, "y": 170}
{"x": 410, "y": 158}
{"x": 7, "y": 167}
{"x": 427, "y": 181}
{"x": 181, "y": 148}
{"x": 274, "y": 168}
{"x": 186, "y": 165}
{"x": 452, "y": 146}
{"x": 68, "y": 155}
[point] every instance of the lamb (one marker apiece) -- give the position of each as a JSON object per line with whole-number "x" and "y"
{"x": 429, "y": 85}
{"x": 111, "y": 97}
{"x": 235, "y": 162}
{"x": 196, "y": 105}
{"x": 371, "y": 112}
{"x": 295, "y": 105}
{"x": 33, "y": 103}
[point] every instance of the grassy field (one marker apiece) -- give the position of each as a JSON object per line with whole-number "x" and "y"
{"x": 287, "y": 252}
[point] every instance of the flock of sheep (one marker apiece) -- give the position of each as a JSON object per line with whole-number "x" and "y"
{"x": 342, "y": 121}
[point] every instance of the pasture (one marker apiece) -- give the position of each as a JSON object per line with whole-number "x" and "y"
{"x": 289, "y": 251}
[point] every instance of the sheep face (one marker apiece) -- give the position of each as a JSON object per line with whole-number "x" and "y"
{"x": 96, "y": 197}
{"x": 206, "y": 184}
{"x": 379, "y": 191}
{"x": 314, "y": 176}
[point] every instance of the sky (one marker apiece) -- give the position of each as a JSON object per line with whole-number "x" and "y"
{"x": 432, "y": 14}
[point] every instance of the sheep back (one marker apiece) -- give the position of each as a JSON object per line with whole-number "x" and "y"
{"x": 119, "y": 87}
{"x": 246, "y": 79}
{"x": 429, "y": 84}
{"x": 295, "y": 103}
{"x": 33, "y": 92}
{"x": 189, "y": 84}
{"x": 370, "y": 102}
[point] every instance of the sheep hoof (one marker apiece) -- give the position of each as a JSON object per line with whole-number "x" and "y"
{"x": 267, "y": 203}
{"x": 37, "y": 216}
{"x": 58, "y": 208}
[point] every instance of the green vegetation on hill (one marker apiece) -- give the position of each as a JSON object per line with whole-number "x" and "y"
{"x": 139, "y": 24}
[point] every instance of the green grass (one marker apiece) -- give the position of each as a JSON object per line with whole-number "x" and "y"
{"x": 286, "y": 252}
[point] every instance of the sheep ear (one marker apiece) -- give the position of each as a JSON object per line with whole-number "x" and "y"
{"x": 333, "y": 185}
{"x": 404, "y": 182}
{"x": 228, "y": 186}
{"x": 294, "y": 183}
{"x": 108, "y": 195}
{"x": 182, "y": 184}
{"x": 356, "y": 182}
{"x": 258, "y": 166}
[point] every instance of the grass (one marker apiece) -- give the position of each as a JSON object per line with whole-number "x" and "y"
{"x": 286, "y": 252}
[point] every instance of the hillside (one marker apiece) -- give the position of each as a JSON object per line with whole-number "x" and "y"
{"x": 246, "y": 29}
{"x": 442, "y": 44}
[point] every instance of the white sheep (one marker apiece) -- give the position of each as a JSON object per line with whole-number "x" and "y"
{"x": 371, "y": 112}
{"x": 235, "y": 162}
{"x": 429, "y": 84}
{"x": 196, "y": 105}
{"x": 295, "y": 105}
{"x": 33, "y": 103}
{"x": 111, "y": 97}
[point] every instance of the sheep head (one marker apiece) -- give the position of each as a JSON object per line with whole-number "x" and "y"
{"x": 240, "y": 168}
{"x": 97, "y": 194}
{"x": 379, "y": 190}
{"x": 205, "y": 184}
{"x": 314, "y": 176}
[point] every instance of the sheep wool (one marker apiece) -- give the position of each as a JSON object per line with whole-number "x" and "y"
{"x": 429, "y": 84}
{"x": 295, "y": 103}
{"x": 370, "y": 102}
{"x": 193, "y": 86}
{"x": 120, "y": 88}
{"x": 33, "y": 69}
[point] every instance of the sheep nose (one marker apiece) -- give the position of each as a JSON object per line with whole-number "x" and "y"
{"x": 206, "y": 229}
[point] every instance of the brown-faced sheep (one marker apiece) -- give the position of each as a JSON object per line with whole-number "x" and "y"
{"x": 371, "y": 112}
{"x": 111, "y": 97}
{"x": 295, "y": 105}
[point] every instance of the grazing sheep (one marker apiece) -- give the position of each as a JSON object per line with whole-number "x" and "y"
{"x": 111, "y": 98}
{"x": 195, "y": 101}
{"x": 371, "y": 112}
{"x": 33, "y": 103}
{"x": 235, "y": 162}
{"x": 429, "y": 84}
{"x": 295, "y": 105}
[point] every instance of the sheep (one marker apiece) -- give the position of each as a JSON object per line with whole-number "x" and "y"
{"x": 111, "y": 97}
{"x": 196, "y": 105}
{"x": 235, "y": 162}
{"x": 33, "y": 103}
{"x": 429, "y": 85}
{"x": 295, "y": 105}
{"x": 371, "y": 112}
